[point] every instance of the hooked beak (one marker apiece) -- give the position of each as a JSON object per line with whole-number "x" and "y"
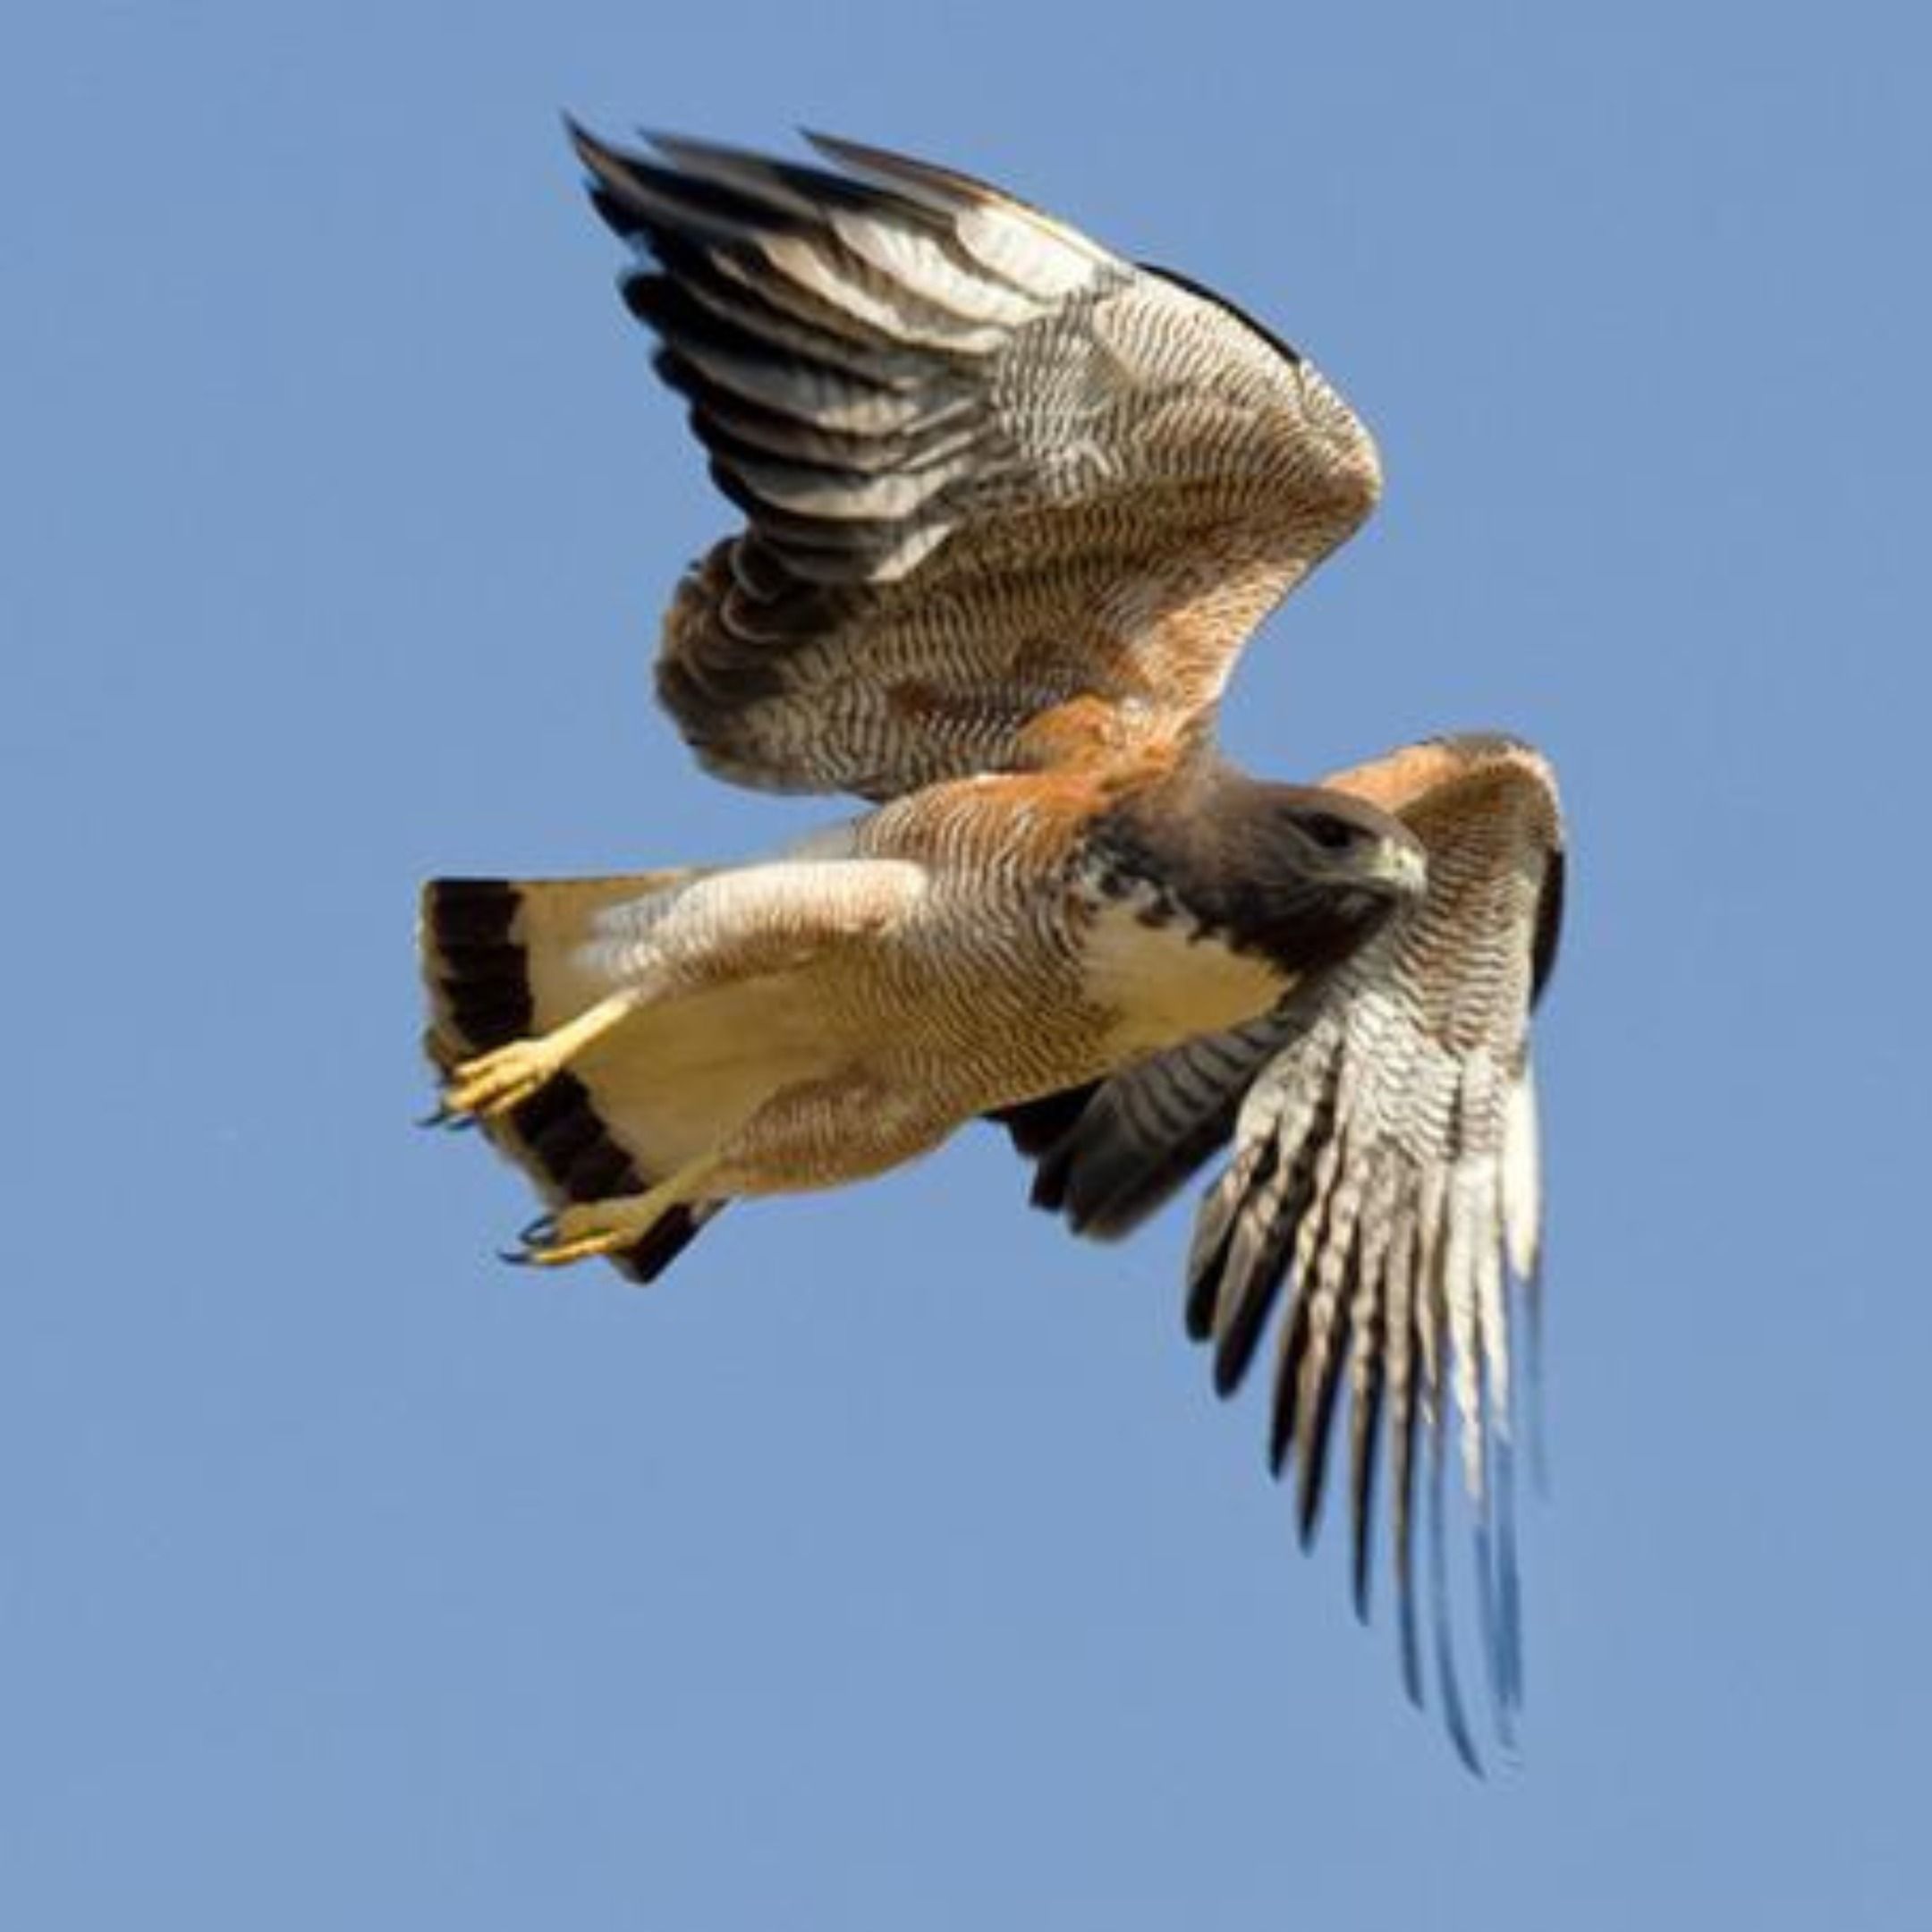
{"x": 1403, "y": 865}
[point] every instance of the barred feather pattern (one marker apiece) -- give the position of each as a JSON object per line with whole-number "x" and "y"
{"x": 1397, "y": 1128}
{"x": 1011, "y": 501}
{"x": 1144, "y": 1132}
{"x": 1381, "y": 1196}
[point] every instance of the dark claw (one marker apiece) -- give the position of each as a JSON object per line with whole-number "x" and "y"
{"x": 538, "y": 1234}
{"x": 448, "y": 1119}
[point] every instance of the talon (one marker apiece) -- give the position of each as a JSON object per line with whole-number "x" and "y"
{"x": 542, "y": 1245}
{"x": 583, "y": 1228}
{"x": 493, "y": 1082}
{"x": 584, "y": 1248}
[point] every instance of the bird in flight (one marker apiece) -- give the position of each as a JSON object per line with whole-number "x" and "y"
{"x": 1012, "y": 506}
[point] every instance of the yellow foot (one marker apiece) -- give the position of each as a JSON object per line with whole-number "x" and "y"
{"x": 586, "y": 1229}
{"x": 493, "y": 1082}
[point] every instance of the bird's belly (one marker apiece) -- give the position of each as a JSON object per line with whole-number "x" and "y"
{"x": 684, "y": 1076}
{"x": 1161, "y": 982}
{"x": 976, "y": 1026}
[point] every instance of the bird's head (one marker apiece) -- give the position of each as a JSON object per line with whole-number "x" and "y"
{"x": 1328, "y": 869}
{"x": 1341, "y": 841}
{"x": 1296, "y": 873}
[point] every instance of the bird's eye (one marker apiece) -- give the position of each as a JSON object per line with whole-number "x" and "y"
{"x": 1330, "y": 833}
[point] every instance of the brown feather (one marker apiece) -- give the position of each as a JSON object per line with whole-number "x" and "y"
{"x": 1058, "y": 491}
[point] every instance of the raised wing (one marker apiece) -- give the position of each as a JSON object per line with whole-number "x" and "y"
{"x": 1383, "y": 1183}
{"x": 1010, "y": 501}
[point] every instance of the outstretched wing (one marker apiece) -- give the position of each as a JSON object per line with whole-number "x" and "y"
{"x": 1010, "y": 501}
{"x": 1383, "y": 1182}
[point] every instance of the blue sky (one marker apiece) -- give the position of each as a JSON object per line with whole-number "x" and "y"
{"x": 891, "y": 1564}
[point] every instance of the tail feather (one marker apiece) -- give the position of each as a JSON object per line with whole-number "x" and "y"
{"x": 475, "y": 938}
{"x": 480, "y": 985}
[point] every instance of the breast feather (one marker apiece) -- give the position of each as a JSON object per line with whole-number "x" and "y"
{"x": 1162, "y": 977}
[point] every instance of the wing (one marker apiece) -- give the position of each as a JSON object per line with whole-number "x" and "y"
{"x": 1383, "y": 1183}
{"x": 1010, "y": 501}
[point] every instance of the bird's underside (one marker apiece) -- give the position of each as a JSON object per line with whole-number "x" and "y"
{"x": 839, "y": 1009}
{"x": 1013, "y": 506}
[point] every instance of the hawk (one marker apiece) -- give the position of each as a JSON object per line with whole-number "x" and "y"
{"x": 1012, "y": 506}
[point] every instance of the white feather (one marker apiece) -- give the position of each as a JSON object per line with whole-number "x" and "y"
{"x": 1522, "y": 1177}
{"x": 888, "y": 307}
{"x": 1050, "y": 261}
{"x": 919, "y": 265}
{"x": 1162, "y": 984}
{"x": 1492, "y": 1306}
{"x": 1460, "y": 1236}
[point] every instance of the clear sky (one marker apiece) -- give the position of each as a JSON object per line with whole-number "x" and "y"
{"x": 890, "y": 1565}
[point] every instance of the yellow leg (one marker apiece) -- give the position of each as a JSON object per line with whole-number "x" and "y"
{"x": 493, "y": 1082}
{"x": 599, "y": 1227}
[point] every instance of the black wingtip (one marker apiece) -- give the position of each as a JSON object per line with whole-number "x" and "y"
{"x": 597, "y": 156}
{"x": 1509, "y": 1591}
{"x": 683, "y": 150}
{"x": 1197, "y": 1312}
{"x": 1364, "y": 1432}
{"x": 836, "y": 149}
{"x": 1315, "y": 1431}
{"x": 1549, "y": 916}
{"x": 1409, "y": 1642}
{"x": 1455, "y": 1716}
{"x": 1496, "y": 1668}
{"x": 1049, "y": 1189}
{"x": 1287, "y": 1390}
